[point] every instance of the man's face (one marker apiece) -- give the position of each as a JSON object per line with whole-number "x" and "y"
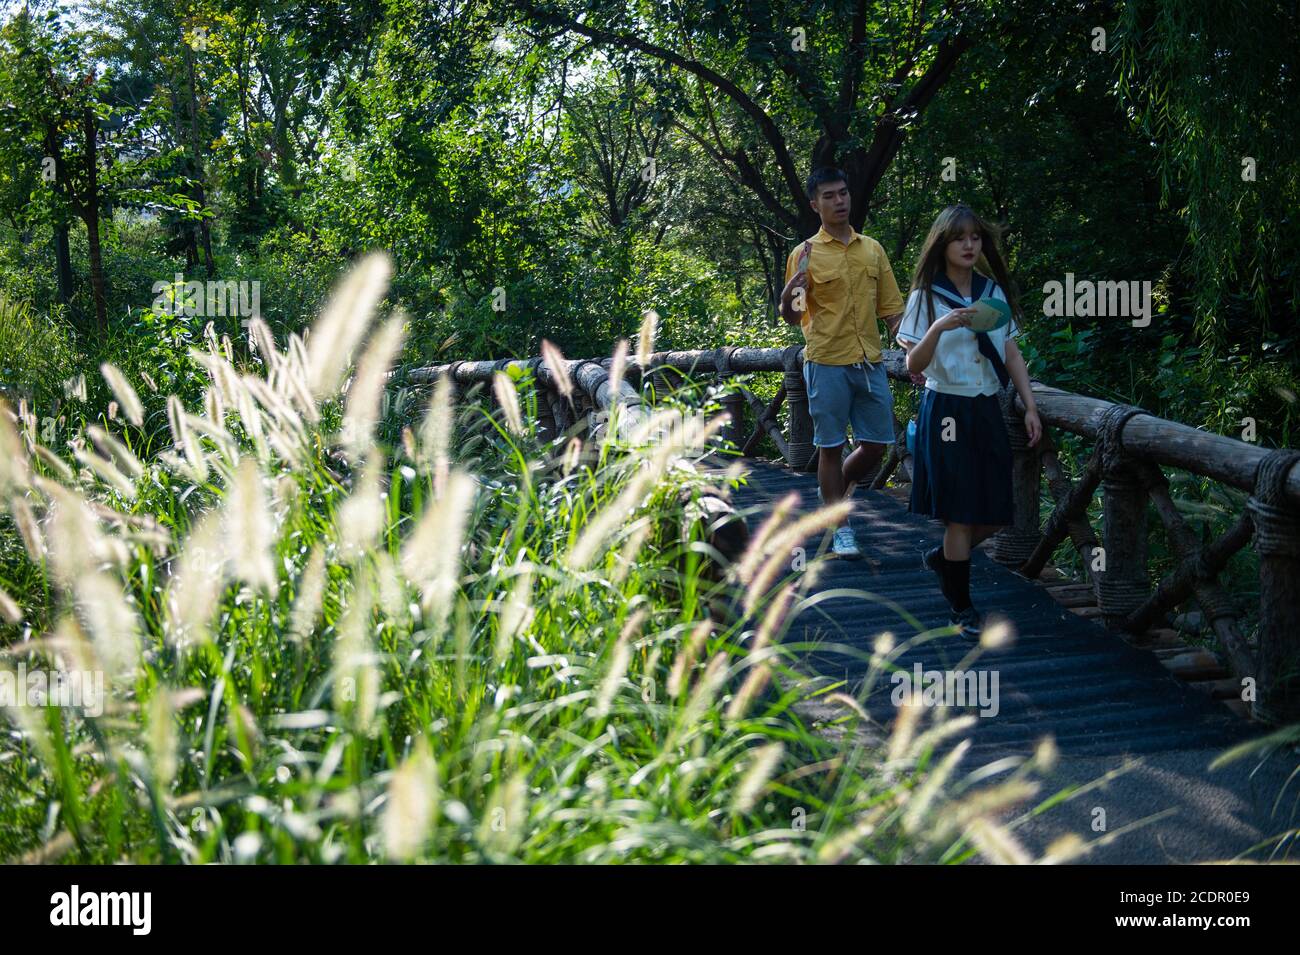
{"x": 832, "y": 202}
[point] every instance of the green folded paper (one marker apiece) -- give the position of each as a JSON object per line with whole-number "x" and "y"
{"x": 990, "y": 313}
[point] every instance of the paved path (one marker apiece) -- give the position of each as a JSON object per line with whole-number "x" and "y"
{"x": 1111, "y": 708}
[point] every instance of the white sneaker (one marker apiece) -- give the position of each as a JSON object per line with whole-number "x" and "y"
{"x": 844, "y": 544}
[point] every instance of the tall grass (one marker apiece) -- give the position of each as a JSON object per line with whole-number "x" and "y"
{"x": 329, "y": 637}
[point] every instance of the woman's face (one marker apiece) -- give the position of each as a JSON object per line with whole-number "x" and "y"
{"x": 963, "y": 251}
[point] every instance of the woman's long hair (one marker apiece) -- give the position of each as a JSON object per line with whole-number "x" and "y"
{"x": 949, "y": 225}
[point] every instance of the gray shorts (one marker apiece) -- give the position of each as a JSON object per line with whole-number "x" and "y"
{"x": 855, "y": 396}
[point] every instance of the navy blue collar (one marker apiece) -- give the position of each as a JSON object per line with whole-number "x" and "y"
{"x": 978, "y": 286}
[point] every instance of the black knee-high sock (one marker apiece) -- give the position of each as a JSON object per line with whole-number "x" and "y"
{"x": 956, "y": 583}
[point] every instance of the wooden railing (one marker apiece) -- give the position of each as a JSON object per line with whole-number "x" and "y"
{"x": 1130, "y": 448}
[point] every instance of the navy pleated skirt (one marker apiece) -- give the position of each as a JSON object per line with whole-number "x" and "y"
{"x": 965, "y": 480}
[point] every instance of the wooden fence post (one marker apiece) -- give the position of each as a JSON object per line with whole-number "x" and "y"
{"x": 799, "y": 446}
{"x": 734, "y": 403}
{"x": 1277, "y": 540}
{"x": 1014, "y": 544}
{"x": 1121, "y": 568}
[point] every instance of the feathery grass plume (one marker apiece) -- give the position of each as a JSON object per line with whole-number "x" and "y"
{"x": 936, "y": 734}
{"x": 618, "y": 369}
{"x": 55, "y": 464}
{"x": 343, "y": 323}
{"x": 250, "y": 530}
{"x": 216, "y": 432}
{"x": 851, "y": 703}
{"x": 225, "y": 379}
{"x": 504, "y": 817}
{"x": 394, "y": 597}
{"x": 125, "y": 394}
{"x": 783, "y": 543}
{"x": 431, "y": 554}
{"x": 923, "y": 796}
{"x": 761, "y": 672}
{"x": 13, "y": 456}
{"x": 250, "y": 416}
{"x": 619, "y": 659}
{"x": 996, "y": 844}
{"x": 982, "y": 802}
{"x": 195, "y": 588}
{"x": 77, "y": 545}
{"x": 1045, "y": 754}
{"x": 9, "y": 608}
{"x": 515, "y": 615}
{"x": 411, "y": 805}
{"x": 754, "y": 684}
{"x": 637, "y": 533}
{"x": 367, "y": 388}
{"x": 28, "y": 529}
{"x": 572, "y": 455}
{"x": 691, "y": 435}
{"x": 106, "y": 472}
{"x": 112, "y": 624}
{"x": 999, "y": 633}
{"x": 362, "y": 515}
{"x": 744, "y": 569}
{"x": 702, "y": 697}
{"x": 645, "y": 343}
{"x": 195, "y": 460}
{"x": 554, "y": 361}
{"x": 686, "y": 657}
{"x": 435, "y": 434}
{"x": 1066, "y": 848}
{"x": 293, "y": 379}
{"x": 260, "y": 333}
{"x": 310, "y": 597}
{"x": 761, "y": 767}
{"x": 654, "y": 428}
{"x": 503, "y": 386}
{"x": 115, "y": 451}
{"x": 282, "y": 413}
{"x": 29, "y": 721}
{"x": 900, "y": 738}
{"x": 356, "y": 676}
{"x": 161, "y": 739}
{"x": 836, "y": 849}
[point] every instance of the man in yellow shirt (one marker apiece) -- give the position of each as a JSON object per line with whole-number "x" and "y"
{"x": 838, "y": 287}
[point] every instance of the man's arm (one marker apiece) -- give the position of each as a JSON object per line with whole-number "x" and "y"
{"x": 796, "y": 286}
{"x": 888, "y": 296}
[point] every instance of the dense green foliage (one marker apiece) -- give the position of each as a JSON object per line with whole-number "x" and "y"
{"x": 548, "y": 170}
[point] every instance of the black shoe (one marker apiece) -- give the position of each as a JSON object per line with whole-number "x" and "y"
{"x": 933, "y": 560}
{"x": 969, "y": 623}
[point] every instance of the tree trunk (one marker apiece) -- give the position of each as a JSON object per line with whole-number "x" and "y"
{"x": 90, "y": 213}
{"x": 63, "y": 263}
{"x": 204, "y": 228}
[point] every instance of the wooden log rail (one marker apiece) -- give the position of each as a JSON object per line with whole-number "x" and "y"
{"x": 1130, "y": 449}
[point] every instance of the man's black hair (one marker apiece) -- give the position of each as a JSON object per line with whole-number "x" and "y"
{"x": 822, "y": 175}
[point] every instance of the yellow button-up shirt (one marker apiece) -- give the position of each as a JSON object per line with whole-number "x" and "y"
{"x": 850, "y": 287}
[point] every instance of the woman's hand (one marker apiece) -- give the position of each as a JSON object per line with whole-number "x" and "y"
{"x": 1033, "y": 426}
{"x": 957, "y": 318}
